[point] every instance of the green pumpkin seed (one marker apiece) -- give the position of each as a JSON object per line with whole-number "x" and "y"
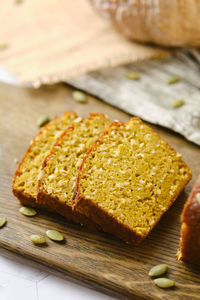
{"x": 198, "y": 197}
{"x": 177, "y": 103}
{"x": 3, "y": 46}
{"x": 18, "y": 1}
{"x": 37, "y": 239}
{"x": 173, "y": 80}
{"x": 41, "y": 121}
{"x": 164, "y": 283}
{"x": 160, "y": 57}
{"x": 158, "y": 270}
{"x": 132, "y": 75}
{"x": 3, "y": 222}
{"x": 27, "y": 211}
{"x": 55, "y": 235}
{"x": 79, "y": 96}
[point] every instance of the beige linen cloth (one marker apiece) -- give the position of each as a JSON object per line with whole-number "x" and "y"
{"x": 50, "y": 41}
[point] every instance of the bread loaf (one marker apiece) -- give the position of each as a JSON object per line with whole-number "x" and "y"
{"x": 164, "y": 22}
{"x": 190, "y": 231}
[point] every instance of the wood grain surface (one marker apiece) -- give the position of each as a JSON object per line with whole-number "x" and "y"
{"x": 93, "y": 257}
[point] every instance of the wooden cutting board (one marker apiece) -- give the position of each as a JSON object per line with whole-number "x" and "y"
{"x": 97, "y": 258}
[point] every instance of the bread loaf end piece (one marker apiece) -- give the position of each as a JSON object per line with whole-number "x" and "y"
{"x": 25, "y": 179}
{"x": 190, "y": 229}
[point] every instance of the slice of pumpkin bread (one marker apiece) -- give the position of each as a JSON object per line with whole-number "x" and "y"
{"x": 26, "y": 176}
{"x": 128, "y": 179}
{"x": 60, "y": 168}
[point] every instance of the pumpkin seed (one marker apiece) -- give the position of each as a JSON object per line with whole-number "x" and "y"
{"x": 164, "y": 283}
{"x": 16, "y": 160}
{"x": 41, "y": 174}
{"x": 79, "y": 96}
{"x": 160, "y": 57}
{"x": 173, "y": 80}
{"x": 37, "y": 239}
{"x": 41, "y": 121}
{"x": 18, "y": 1}
{"x": 158, "y": 270}
{"x": 3, "y": 221}
{"x": 198, "y": 197}
{"x": 177, "y": 103}
{"x": 133, "y": 75}
{"x": 3, "y": 46}
{"x": 78, "y": 120}
{"x": 178, "y": 255}
{"x": 55, "y": 235}
{"x": 27, "y": 211}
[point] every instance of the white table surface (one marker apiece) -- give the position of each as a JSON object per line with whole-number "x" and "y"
{"x": 21, "y": 279}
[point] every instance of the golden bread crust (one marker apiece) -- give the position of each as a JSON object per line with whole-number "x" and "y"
{"x": 190, "y": 229}
{"x": 191, "y": 211}
{"x": 25, "y": 198}
{"x": 53, "y": 204}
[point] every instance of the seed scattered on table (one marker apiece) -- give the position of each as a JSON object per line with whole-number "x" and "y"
{"x": 79, "y": 96}
{"x": 158, "y": 270}
{"x": 27, "y": 211}
{"x": 41, "y": 121}
{"x": 16, "y": 160}
{"x": 178, "y": 255}
{"x": 177, "y": 103}
{"x": 132, "y": 75}
{"x": 18, "y": 1}
{"x": 173, "y": 80}
{"x": 3, "y": 222}
{"x": 37, "y": 239}
{"x": 3, "y": 46}
{"x": 55, "y": 235}
{"x": 160, "y": 57}
{"x": 164, "y": 283}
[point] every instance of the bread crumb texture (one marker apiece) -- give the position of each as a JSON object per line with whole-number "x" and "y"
{"x": 26, "y": 176}
{"x": 132, "y": 175}
{"x": 62, "y": 165}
